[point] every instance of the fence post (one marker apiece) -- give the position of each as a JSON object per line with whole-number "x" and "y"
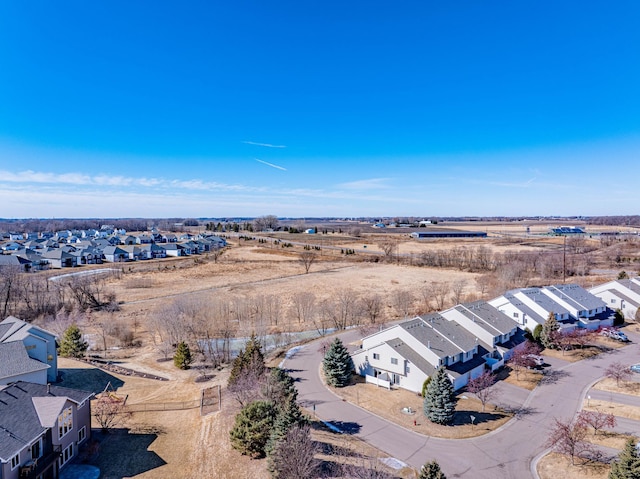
{"x": 201, "y": 401}
{"x": 219, "y": 397}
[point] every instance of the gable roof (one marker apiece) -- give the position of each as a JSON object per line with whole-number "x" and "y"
{"x": 17, "y": 329}
{"x": 576, "y": 295}
{"x": 487, "y": 317}
{"x": 14, "y": 361}
{"x": 22, "y": 418}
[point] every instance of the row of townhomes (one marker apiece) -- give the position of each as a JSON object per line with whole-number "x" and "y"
{"x": 42, "y": 426}
{"x": 473, "y": 337}
{"x": 66, "y": 249}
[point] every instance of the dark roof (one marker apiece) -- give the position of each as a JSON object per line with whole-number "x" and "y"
{"x": 20, "y": 423}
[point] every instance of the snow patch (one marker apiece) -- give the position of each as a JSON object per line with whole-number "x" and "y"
{"x": 393, "y": 463}
{"x": 289, "y": 354}
{"x": 332, "y": 427}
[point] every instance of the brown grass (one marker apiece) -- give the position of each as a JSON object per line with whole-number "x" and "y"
{"x": 625, "y": 387}
{"x": 557, "y": 466}
{"x": 526, "y": 378}
{"x": 389, "y": 404}
{"x": 617, "y": 409}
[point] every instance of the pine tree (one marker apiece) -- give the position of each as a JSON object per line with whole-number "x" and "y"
{"x": 549, "y": 333}
{"x": 182, "y": 358}
{"x": 289, "y": 416}
{"x": 280, "y": 388}
{"x": 431, "y": 470}
{"x": 249, "y": 363}
{"x": 337, "y": 364}
{"x": 72, "y": 345}
{"x": 627, "y": 466}
{"x": 440, "y": 401}
{"x": 253, "y": 427}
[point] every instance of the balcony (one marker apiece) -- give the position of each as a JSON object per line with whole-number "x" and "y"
{"x": 35, "y": 467}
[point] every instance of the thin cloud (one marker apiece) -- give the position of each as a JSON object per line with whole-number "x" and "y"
{"x": 372, "y": 183}
{"x": 271, "y": 164}
{"x": 266, "y": 145}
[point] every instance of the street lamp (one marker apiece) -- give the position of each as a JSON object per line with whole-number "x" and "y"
{"x": 588, "y": 400}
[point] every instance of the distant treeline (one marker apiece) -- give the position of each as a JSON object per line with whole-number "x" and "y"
{"x": 129, "y": 224}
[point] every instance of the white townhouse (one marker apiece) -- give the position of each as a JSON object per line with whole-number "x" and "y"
{"x": 622, "y": 294}
{"x": 571, "y": 305}
{"x": 408, "y": 353}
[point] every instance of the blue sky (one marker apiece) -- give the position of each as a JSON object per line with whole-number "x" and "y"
{"x": 309, "y": 108}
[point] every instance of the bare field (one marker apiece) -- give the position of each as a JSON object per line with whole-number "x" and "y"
{"x": 249, "y": 269}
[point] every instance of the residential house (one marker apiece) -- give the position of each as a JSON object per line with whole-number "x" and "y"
{"x": 136, "y": 253}
{"x": 408, "y": 353}
{"x": 43, "y": 428}
{"x": 488, "y": 325}
{"x": 622, "y": 294}
{"x": 39, "y": 344}
{"x": 571, "y": 305}
{"x": 59, "y": 258}
{"x": 15, "y": 261}
{"x": 115, "y": 254}
{"x": 16, "y": 365}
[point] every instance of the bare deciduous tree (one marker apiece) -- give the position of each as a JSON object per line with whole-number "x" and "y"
{"x": 482, "y": 388}
{"x": 403, "y": 302}
{"x": 303, "y": 306}
{"x": 109, "y": 411}
{"x": 597, "y": 420}
{"x": 521, "y": 357}
{"x": 457, "y": 291}
{"x": 306, "y": 259}
{"x": 567, "y": 437}
{"x": 389, "y": 247}
{"x": 617, "y": 371}
{"x": 294, "y": 456}
{"x": 371, "y": 307}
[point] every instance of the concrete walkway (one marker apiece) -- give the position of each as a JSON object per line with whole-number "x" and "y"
{"x": 505, "y": 453}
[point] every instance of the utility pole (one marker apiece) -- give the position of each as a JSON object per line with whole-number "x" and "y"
{"x": 564, "y": 261}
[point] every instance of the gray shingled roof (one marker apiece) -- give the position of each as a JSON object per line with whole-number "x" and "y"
{"x": 487, "y": 317}
{"x": 582, "y": 298}
{"x": 15, "y": 361}
{"x": 19, "y": 420}
{"x": 446, "y": 338}
{"x": 536, "y": 295}
{"x": 412, "y": 356}
{"x": 510, "y": 296}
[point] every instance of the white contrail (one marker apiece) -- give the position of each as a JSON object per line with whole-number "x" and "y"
{"x": 271, "y": 165}
{"x": 268, "y": 145}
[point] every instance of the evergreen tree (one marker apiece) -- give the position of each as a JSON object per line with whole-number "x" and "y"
{"x": 72, "y": 345}
{"x": 289, "y": 416}
{"x": 549, "y": 333}
{"x": 627, "y": 466}
{"x": 431, "y": 470}
{"x": 337, "y": 364}
{"x": 280, "y": 388}
{"x": 440, "y": 401}
{"x": 182, "y": 357}
{"x": 248, "y": 364}
{"x": 253, "y": 427}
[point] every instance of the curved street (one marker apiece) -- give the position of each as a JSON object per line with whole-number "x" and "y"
{"x": 507, "y": 452}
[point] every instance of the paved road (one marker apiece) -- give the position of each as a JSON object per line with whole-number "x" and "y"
{"x": 505, "y": 453}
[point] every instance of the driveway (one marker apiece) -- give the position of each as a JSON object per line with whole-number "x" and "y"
{"x": 505, "y": 453}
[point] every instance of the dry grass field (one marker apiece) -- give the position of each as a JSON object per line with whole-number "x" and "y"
{"x": 251, "y": 269}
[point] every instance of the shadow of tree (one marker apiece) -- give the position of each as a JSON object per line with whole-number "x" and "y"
{"x": 552, "y": 376}
{"x": 123, "y": 453}
{"x": 461, "y": 418}
{"x": 87, "y": 379}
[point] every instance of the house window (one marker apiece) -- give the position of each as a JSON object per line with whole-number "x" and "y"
{"x": 376, "y": 356}
{"x": 66, "y": 455}
{"x": 408, "y": 369}
{"x": 65, "y": 422}
{"x": 515, "y": 315}
{"x": 15, "y": 461}
{"x": 82, "y": 434}
{"x": 36, "y": 449}
{"x": 613, "y": 301}
{"x": 394, "y": 360}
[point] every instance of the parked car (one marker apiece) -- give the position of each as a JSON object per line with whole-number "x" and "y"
{"x": 606, "y": 332}
{"x": 619, "y": 336}
{"x": 635, "y": 368}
